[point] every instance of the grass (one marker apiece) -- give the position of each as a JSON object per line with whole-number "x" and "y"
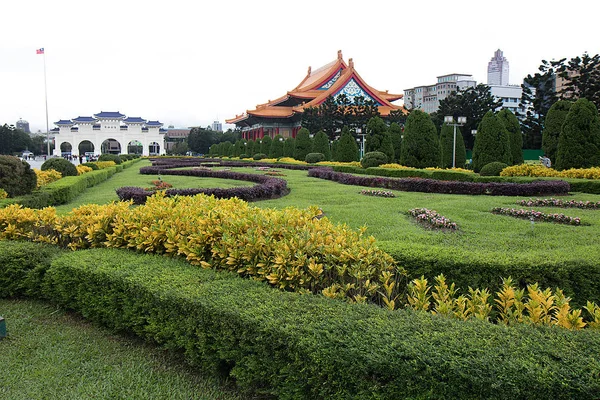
{"x": 50, "y": 353}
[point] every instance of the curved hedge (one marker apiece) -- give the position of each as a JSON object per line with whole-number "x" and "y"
{"x": 308, "y": 347}
{"x": 447, "y": 187}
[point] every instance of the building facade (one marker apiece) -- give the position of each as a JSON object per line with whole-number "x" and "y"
{"x": 23, "y": 125}
{"x": 283, "y": 116}
{"x": 427, "y": 98}
{"x": 109, "y": 132}
{"x": 510, "y": 95}
{"x": 498, "y": 70}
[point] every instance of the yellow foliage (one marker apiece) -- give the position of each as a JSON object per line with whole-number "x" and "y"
{"x": 394, "y": 166}
{"x": 82, "y": 169}
{"x": 537, "y": 170}
{"x": 339, "y": 164}
{"x": 46, "y": 177}
{"x": 104, "y": 164}
{"x": 290, "y": 160}
{"x": 3, "y": 194}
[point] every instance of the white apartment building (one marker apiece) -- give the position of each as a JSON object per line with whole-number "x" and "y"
{"x": 510, "y": 95}
{"x": 427, "y": 98}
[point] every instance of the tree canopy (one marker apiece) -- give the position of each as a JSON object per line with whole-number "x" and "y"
{"x": 553, "y": 126}
{"x": 13, "y": 140}
{"x": 492, "y": 142}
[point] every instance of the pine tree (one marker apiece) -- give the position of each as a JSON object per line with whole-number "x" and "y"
{"x": 346, "y": 149}
{"x": 553, "y": 126}
{"x": 321, "y": 145}
{"x": 304, "y": 144}
{"x": 579, "y": 140}
{"x": 420, "y": 147}
{"x": 276, "y": 149}
{"x": 447, "y": 147}
{"x": 265, "y": 145}
{"x": 396, "y": 135}
{"x": 511, "y": 123}
{"x": 288, "y": 147}
{"x": 492, "y": 142}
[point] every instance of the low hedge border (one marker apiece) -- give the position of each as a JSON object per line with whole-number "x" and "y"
{"x": 308, "y": 347}
{"x": 268, "y": 187}
{"x": 447, "y": 187}
{"x": 65, "y": 189}
{"x": 213, "y": 162}
{"x": 577, "y": 185}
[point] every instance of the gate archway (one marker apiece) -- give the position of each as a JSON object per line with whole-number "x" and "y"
{"x": 110, "y": 146}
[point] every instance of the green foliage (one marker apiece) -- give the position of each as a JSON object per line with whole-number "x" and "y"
{"x": 373, "y": 159}
{"x": 515, "y": 137}
{"x": 259, "y": 156}
{"x": 180, "y": 148}
{"x": 321, "y": 145}
{"x": 265, "y": 144}
{"x": 396, "y": 136}
{"x": 379, "y": 138}
{"x": 230, "y": 325}
{"x": 346, "y": 149}
{"x": 226, "y": 149}
{"x": 289, "y": 146}
{"x": 447, "y": 147}
{"x": 313, "y": 158}
{"x": 420, "y": 147}
{"x": 250, "y": 146}
{"x": 492, "y": 142}
{"x": 238, "y": 148}
{"x": 304, "y": 144}
{"x": 553, "y": 126}
{"x": 582, "y": 77}
{"x": 579, "y": 141}
{"x": 13, "y": 140}
{"x": 110, "y": 157}
{"x": 200, "y": 140}
{"x": 492, "y": 169}
{"x": 537, "y": 98}
{"x": 16, "y": 177}
{"x": 65, "y": 167}
{"x": 276, "y": 150}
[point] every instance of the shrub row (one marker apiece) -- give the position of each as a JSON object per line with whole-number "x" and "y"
{"x": 577, "y": 185}
{"x": 448, "y": 187}
{"x": 294, "y": 346}
{"x": 268, "y": 187}
{"x": 212, "y": 162}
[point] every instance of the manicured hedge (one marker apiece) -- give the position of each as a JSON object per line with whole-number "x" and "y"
{"x": 295, "y": 346}
{"x": 267, "y": 188}
{"x": 448, "y": 187}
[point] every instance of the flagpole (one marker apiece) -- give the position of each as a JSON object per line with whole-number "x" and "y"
{"x": 46, "y": 99}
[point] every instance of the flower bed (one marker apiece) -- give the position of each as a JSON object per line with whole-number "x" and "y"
{"x": 533, "y": 215}
{"x": 377, "y": 193}
{"x": 432, "y": 220}
{"x": 560, "y": 203}
{"x": 448, "y": 187}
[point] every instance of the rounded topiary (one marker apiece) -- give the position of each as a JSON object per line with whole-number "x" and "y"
{"x": 91, "y": 165}
{"x": 244, "y": 156}
{"x": 259, "y": 156}
{"x": 110, "y": 157}
{"x": 492, "y": 169}
{"x": 313, "y": 158}
{"x": 373, "y": 159}
{"x": 66, "y": 168}
{"x": 16, "y": 176}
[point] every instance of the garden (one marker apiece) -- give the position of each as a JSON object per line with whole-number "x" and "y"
{"x": 363, "y": 286}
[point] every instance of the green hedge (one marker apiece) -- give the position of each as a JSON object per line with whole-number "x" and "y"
{"x": 296, "y": 346}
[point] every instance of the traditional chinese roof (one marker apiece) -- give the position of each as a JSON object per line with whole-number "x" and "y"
{"x": 332, "y": 79}
{"x": 154, "y": 123}
{"x": 84, "y": 119}
{"x": 134, "y": 120}
{"x": 161, "y": 130}
{"x": 64, "y": 122}
{"x": 109, "y": 115}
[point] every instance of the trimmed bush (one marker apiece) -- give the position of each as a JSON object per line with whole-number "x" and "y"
{"x": 321, "y": 145}
{"x": 346, "y": 149}
{"x": 553, "y": 126}
{"x": 304, "y": 144}
{"x": 16, "y": 176}
{"x": 313, "y": 158}
{"x": 492, "y": 169}
{"x": 242, "y": 156}
{"x": 110, "y": 157}
{"x": 91, "y": 165}
{"x": 515, "y": 137}
{"x": 420, "y": 147}
{"x": 373, "y": 159}
{"x": 259, "y": 156}
{"x": 289, "y": 147}
{"x": 65, "y": 167}
{"x": 447, "y": 147}
{"x": 276, "y": 149}
{"x": 579, "y": 141}
{"x": 491, "y": 143}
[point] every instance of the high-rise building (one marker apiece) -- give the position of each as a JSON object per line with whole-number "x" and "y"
{"x": 23, "y": 125}
{"x": 498, "y": 70}
{"x": 217, "y": 126}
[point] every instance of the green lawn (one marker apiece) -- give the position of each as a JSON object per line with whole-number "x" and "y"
{"x": 50, "y": 353}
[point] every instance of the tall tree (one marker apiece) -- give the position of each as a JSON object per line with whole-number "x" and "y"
{"x": 304, "y": 144}
{"x": 492, "y": 142}
{"x": 13, "y": 140}
{"x": 396, "y": 136}
{"x": 346, "y": 148}
{"x": 511, "y": 123}
{"x": 582, "y": 76}
{"x": 553, "y": 126}
{"x": 289, "y": 146}
{"x": 472, "y": 103}
{"x": 378, "y": 138}
{"x": 447, "y": 149}
{"x": 276, "y": 150}
{"x": 420, "y": 147}
{"x": 579, "y": 141}
{"x": 250, "y": 148}
{"x": 321, "y": 145}
{"x": 265, "y": 144}
{"x": 200, "y": 140}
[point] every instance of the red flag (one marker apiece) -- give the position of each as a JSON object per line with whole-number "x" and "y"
{"x": 39, "y": 51}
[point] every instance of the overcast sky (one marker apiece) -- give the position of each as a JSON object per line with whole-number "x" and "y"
{"x": 188, "y": 63}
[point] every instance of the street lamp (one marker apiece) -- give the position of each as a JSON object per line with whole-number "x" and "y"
{"x": 449, "y": 120}
{"x": 363, "y": 143}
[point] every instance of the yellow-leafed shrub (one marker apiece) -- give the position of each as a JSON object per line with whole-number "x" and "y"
{"x": 290, "y": 160}
{"x": 46, "y": 177}
{"x": 338, "y": 163}
{"x": 291, "y": 248}
{"x": 82, "y": 169}
{"x": 3, "y": 194}
{"x": 537, "y": 170}
{"x": 450, "y": 169}
{"x": 104, "y": 164}
{"x": 394, "y": 166}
